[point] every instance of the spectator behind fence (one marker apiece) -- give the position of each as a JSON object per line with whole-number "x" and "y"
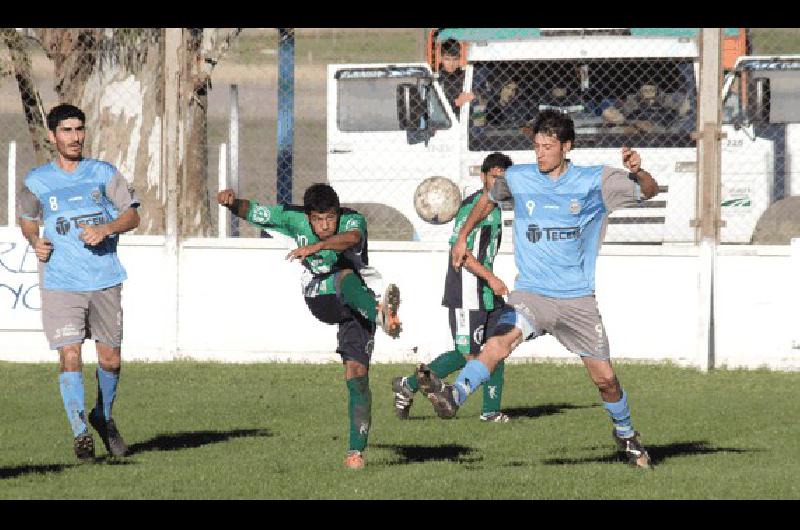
{"x": 648, "y": 109}
{"x": 512, "y": 106}
{"x": 451, "y": 76}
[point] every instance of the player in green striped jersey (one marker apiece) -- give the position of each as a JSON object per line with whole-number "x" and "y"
{"x": 332, "y": 247}
{"x": 473, "y": 298}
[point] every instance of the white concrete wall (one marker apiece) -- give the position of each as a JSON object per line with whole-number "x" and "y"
{"x": 239, "y": 300}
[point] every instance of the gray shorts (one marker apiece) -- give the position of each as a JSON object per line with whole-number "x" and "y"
{"x": 69, "y": 317}
{"x": 575, "y": 322}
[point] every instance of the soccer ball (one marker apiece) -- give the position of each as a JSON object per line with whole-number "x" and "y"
{"x": 437, "y": 200}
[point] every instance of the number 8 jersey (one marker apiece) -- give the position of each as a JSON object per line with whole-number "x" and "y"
{"x": 95, "y": 193}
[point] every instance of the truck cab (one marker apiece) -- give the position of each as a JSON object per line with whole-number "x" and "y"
{"x": 390, "y": 126}
{"x": 761, "y": 143}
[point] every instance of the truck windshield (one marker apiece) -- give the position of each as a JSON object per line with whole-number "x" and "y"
{"x": 613, "y": 102}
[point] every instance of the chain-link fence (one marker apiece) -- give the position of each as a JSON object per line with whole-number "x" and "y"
{"x": 761, "y": 113}
{"x": 252, "y": 65}
{"x": 114, "y": 75}
{"x": 634, "y": 87}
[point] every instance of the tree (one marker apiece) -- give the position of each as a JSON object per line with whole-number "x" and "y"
{"x": 117, "y": 77}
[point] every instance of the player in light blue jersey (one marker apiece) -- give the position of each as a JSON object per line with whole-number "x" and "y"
{"x": 560, "y": 216}
{"x": 84, "y": 204}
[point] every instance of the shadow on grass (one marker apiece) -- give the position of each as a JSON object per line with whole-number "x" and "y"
{"x": 162, "y": 442}
{"x": 18, "y": 471}
{"x": 414, "y": 454}
{"x": 548, "y": 409}
{"x": 192, "y": 439}
{"x": 658, "y": 453}
{"x": 44, "y": 469}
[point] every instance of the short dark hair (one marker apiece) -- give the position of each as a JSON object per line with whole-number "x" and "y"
{"x": 63, "y": 112}
{"x": 555, "y": 123}
{"x": 451, "y": 47}
{"x": 495, "y": 159}
{"x": 320, "y": 198}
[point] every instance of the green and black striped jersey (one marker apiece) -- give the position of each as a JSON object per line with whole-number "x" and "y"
{"x": 462, "y": 289}
{"x": 292, "y": 221}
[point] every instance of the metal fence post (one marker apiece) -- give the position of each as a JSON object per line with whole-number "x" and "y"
{"x": 285, "y": 114}
{"x": 222, "y": 183}
{"x": 709, "y": 153}
{"x": 170, "y": 136}
{"x": 12, "y": 183}
{"x": 233, "y": 152}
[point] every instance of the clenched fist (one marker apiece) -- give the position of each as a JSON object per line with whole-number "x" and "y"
{"x": 42, "y": 248}
{"x": 226, "y": 198}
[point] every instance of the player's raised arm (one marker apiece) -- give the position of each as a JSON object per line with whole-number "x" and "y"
{"x": 633, "y": 162}
{"x": 341, "y": 242}
{"x": 337, "y": 243}
{"x": 238, "y": 207}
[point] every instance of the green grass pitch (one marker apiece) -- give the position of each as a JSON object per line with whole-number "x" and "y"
{"x": 278, "y": 431}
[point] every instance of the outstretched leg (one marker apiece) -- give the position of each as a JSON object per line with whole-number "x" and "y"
{"x": 447, "y": 399}
{"x": 405, "y": 387}
{"x": 356, "y": 295}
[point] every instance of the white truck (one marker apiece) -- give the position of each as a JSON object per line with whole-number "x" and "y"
{"x": 390, "y": 126}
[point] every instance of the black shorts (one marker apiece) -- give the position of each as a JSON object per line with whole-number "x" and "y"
{"x": 468, "y": 327}
{"x": 356, "y": 335}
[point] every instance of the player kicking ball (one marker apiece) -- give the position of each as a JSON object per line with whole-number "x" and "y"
{"x": 560, "y": 217}
{"x": 473, "y": 296}
{"x": 332, "y": 247}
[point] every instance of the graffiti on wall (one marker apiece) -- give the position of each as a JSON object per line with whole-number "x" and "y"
{"x": 20, "y": 301}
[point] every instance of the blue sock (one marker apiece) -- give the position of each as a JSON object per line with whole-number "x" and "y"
{"x": 469, "y": 379}
{"x": 71, "y": 384}
{"x": 106, "y": 391}
{"x": 620, "y": 416}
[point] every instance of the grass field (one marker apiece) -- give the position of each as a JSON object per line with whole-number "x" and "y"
{"x": 278, "y": 431}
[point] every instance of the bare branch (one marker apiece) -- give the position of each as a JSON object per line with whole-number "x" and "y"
{"x": 70, "y": 49}
{"x": 31, "y": 100}
{"x": 214, "y": 47}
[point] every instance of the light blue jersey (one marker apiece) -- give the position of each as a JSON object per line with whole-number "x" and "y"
{"x": 559, "y": 224}
{"x": 95, "y": 193}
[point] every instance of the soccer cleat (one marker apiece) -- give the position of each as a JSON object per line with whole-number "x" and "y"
{"x": 634, "y": 450}
{"x": 354, "y": 460}
{"x": 387, "y": 311}
{"x": 495, "y": 417}
{"x": 403, "y": 397}
{"x": 440, "y": 395}
{"x": 84, "y": 447}
{"x": 108, "y": 432}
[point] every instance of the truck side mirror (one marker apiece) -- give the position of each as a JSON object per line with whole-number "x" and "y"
{"x": 759, "y": 101}
{"x": 410, "y": 107}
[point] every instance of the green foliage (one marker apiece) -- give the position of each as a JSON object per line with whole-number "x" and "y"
{"x": 207, "y": 430}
